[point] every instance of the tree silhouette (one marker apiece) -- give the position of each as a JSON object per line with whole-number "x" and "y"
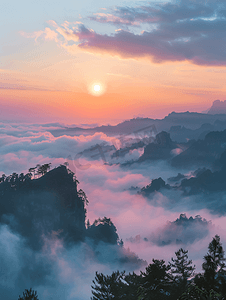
{"x": 133, "y": 283}
{"x": 88, "y": 224}
{"x": 43, "y": 168}
{"x": 108, "y": 287}
{"x": 2, "y": 179}
{"x": 213, "y": 262}
{"x": 171, "y": 282}
{"x": 194, "y": 292}
{"x": 116, "y": 286}
{"x": 157, "y": 281}
{"x": 83, "y": 197}
{"x": 29, "y": 295}
{"x": 181, "y": 266}
{"x": 32, "y": 170}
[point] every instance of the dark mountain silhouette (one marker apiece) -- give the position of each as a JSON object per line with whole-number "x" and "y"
{"x": 205, "y": 182}
{"x": 202, "y": 152}
{"x": 103, "y": 230}
{"x": 41, "y": 206}
{"x": 160, "y": 149}
{"x": 51, "y": 206}
{"x": 201, "y": 181}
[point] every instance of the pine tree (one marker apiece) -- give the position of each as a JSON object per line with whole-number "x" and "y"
{"x": 133, "y": 283}
{"x": 194, "y": 292}
{"x": 108, "y": 287}
{"x": 157, "y": 281}
{"x": 213, "y": 262}
{"x": 182, "y": 267}
{"x": 29, "y": 295}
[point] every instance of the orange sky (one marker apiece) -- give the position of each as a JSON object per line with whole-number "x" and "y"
{"x": 132, "y": 88}
{"x": 46, "y": 79}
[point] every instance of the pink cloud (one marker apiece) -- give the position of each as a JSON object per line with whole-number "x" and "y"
{"x": 181, "y": 32}
{"x": 107, "y": 190}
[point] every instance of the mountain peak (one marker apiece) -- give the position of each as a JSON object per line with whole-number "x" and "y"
{"x": 218, "y": 107}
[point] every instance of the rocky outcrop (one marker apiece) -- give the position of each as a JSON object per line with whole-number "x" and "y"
{"x": 160, "y": 149}
{"x": 202, "y": 152}
{"x": 42, "y": 206}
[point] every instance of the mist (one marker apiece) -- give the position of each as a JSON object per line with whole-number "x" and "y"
{"x": 150, "y": 227}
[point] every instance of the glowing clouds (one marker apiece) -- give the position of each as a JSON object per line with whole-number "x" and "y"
{"x": 96, "y": 89}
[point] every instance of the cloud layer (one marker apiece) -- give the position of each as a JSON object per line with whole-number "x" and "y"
{"x": 183, "y": 31}
{"x": 182, "y": 231}
{"x": 108, "y": 191}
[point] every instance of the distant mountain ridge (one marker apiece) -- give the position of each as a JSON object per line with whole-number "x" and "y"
{"x": 190, "y": 120}
{"x": 218, "y": 107}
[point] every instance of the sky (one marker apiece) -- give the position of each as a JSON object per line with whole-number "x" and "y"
{"x": 146, "y": 59}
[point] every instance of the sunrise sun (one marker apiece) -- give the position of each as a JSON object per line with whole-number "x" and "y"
{"x": 96, "y": 88}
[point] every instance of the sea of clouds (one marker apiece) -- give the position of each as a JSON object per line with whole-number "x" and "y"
{"x": 148, "y": 227}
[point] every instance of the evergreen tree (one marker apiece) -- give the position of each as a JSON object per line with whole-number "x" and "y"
{"x": 182, "y": 269}
{"x": 88, "y": 224}
{"x": 29, "y": 295}
{"x": 194, "y": 292}
{"x": 214, "y": 263}
{"x": 133, "y": 283}
{"x": 116, "y": 286}
{"x": 157, "y": 282}
{"x": 83, "y": 197}
{"x": 108, "y": 287}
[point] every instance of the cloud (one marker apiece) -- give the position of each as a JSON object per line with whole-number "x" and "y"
{"x": 55, "y": 271}
{"x": 46, "y": 34}
{"x": 20, "y": 266}
{"x": 35, "y": 255}
{"x": 114, "y": 19}
{"x": 17, "y": 142}
{"x": 182, "y": 231}
{"x": 184, "y": 31}
{"x": 70, "y": 271}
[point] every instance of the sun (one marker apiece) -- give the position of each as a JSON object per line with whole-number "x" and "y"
{"x": 97, "y": 88}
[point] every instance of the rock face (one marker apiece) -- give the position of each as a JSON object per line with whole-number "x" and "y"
{"x": 42, "y": 206}
{"x": 49, "y": 209}
{"x": 103, "y": 230}
{"x": 202, "y": 152}
{"x": 218, "y": 107}
{"x": 207, "y": 182}
{"x": 160, "y": 149}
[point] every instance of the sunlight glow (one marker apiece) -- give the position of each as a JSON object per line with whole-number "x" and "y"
{"x": 96, "y": 88}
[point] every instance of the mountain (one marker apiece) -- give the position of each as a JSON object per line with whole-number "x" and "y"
{"x": 218, "y": 107}
{"x": 51, "y": 207}
{"x": 202, "y": 180}
{"x": 33, "y": 207}
{"x": 160, "y": 149}
{"x": 202, "y": 152}
{"x": 140, "y": 126}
